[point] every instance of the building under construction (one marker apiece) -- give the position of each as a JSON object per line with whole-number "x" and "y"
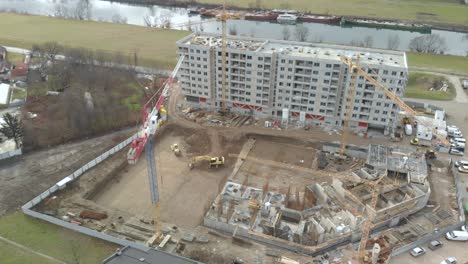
{"x": 285, "y": 79}
{"x": 332, "y": 211}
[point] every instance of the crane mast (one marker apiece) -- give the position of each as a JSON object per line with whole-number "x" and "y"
{"x": 348, "y": 111}
{"x": 153, "y": 116}
{"x": 393, "y": 96}
{"x": 223, "y": 55}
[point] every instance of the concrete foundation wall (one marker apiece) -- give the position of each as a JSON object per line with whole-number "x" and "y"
{"x": 353, "y": 151}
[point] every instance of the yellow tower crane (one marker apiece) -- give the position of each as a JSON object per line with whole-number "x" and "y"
{"x": 349, "y": 106}
{"x": 355, "y": 66}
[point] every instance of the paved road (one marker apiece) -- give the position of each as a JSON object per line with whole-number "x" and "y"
{"x": 34, "y": 252}
{"x": 449, "y": 249}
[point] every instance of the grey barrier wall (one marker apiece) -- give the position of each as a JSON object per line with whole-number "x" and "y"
{"x": 435, "y": 235}
{"x": 276, "y": 242}
{"x": 26, "y": 208}
{"x": 350, "y": 150}
{"x": 10, "y": 154}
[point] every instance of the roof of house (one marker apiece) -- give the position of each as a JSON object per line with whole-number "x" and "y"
{"x": 130, "y": 255}
{"x": 20, "y": 70}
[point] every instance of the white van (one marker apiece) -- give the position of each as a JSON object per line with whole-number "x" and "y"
{"x": 459, "y": 140}
{"x": 457, "y": 235}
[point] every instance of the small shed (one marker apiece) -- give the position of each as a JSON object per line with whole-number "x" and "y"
{"x": 4, "y": 93}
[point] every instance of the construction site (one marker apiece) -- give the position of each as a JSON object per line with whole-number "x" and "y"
{"x": 293, "y": 193}
{"x": 259, "y": 184}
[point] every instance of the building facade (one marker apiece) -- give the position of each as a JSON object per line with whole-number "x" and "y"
{"x": 303, "y": 81}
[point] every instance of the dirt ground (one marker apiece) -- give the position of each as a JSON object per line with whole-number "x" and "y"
{"x": 22, "y": 178}
{"x": 185, "y": 194}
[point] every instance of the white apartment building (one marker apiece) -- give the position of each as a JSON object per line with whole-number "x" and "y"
{"x": 306, "y": 81}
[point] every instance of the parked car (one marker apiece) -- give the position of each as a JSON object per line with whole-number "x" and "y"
{"x": 435, "y": 244}
{"x": 461, "y": 163}
{"x": 457, "y": 140}
{"x": 449, "y": 260}
{"x": 417, "y": 251}
{"x": 463, "y": 169}
{"x": 464, "y": 228}
{"x": 456, "y": 152}
{"x": 457, "y": 235}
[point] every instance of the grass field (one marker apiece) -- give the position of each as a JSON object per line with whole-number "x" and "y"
{"x": 419, "y": 83}
{"x": 155, "y": 47}
{"x": 48, "y": 239}
{"x": 12, "y": 255}
{"x": 439, "y": 63}
{"x": 450, "y": 11}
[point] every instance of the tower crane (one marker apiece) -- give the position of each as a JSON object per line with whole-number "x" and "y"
{"x": 223, "y": 17}
{"x": 349, "y": 106}
{"x": 355, "y": 68}
{"x": 153, "y": 116}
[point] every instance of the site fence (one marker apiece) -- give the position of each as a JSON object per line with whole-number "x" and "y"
{"x": 10, "y": 154}
{"x": 27, "y": 208}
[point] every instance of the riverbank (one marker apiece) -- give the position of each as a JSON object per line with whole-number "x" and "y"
{"x": 155, "y": 47}
{"x": 443, "y": 15}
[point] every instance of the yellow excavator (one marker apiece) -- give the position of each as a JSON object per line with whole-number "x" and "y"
{"x": 213, "y": 161}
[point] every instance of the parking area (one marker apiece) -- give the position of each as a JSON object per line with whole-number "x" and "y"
{"x": 458, "y": 250}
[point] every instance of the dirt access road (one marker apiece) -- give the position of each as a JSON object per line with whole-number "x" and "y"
{"x": 461, "y": 96}
{"x": 23, "y": 178}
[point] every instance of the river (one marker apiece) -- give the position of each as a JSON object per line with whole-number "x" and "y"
{"x": 457, "y": 43}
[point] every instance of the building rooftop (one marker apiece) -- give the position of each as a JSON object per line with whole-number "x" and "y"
{"x": 301, "y": 49}
{"x": 129, "y": 255}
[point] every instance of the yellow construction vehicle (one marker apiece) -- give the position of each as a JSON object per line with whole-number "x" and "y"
{"x": 213, "y": 161}
{"x": 175, "y": 148}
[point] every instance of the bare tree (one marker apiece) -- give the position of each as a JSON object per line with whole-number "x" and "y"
{"x": 51, "y": 50}
{"x": 118, "y": 19}
{"x": 301, "y": 33}
{"x": 233, "y": 30}
{"x": 12, "y": 128}
{"x": 428, "y": 44}
{"x": 82, "y": 10}
{"x": 135, "y": 58}
{"x": 165, "y": 20}
{"x": 100, "y": 58}
{"x": 61, "y": 10}
{"x": 393, "y": 42}
{"x": 286, "y": 33}
{"x": 189, "y": 25}
{"x": 148, "y": 20}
